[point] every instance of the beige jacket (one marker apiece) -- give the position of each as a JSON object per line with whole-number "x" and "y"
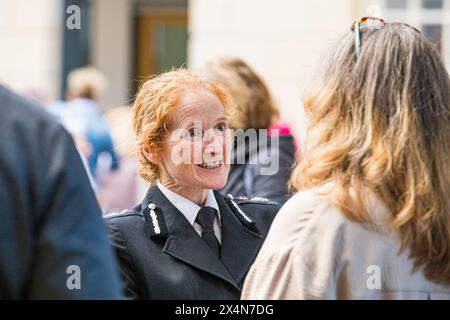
{"x": 313, "y": 252}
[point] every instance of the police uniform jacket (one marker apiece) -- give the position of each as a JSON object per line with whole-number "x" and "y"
{"x": 161, "y": 256}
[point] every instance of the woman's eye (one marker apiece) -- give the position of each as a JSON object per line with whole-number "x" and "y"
{"x": 221, "y": 126}
{"x": 194, "y": 132}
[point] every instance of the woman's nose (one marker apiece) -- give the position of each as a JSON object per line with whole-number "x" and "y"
{"x": 210, "y": 136}
{"x": 212, "y": 142}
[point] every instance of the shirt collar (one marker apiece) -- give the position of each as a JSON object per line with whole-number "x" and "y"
{"x": 187, "y": 207}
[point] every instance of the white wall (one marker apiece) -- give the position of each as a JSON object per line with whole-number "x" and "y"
{"x": 30, "y": 46}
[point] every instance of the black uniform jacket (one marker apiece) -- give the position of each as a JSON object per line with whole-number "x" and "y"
{"x": 162, "y": 256}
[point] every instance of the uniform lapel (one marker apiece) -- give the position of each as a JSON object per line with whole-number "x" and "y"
{"x": 239, "y": 245}
{"x": 184, "y": 243}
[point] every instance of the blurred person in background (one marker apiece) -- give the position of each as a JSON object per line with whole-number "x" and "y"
{"x": 118, "y": 189}
{"x": 186, "y": 240}
{"x": 82, "y": 117}
{"x": 371, "y": 219}
{"x": 51, "y": 225}
{"x": 255, "y": 110}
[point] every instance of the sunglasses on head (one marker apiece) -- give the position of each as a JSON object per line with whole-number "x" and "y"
{"x": 370, "y": 22}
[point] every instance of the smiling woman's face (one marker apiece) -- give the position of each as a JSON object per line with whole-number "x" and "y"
{"x": 197, "y": 147}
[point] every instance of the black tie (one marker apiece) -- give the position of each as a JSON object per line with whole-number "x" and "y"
{"x": 205, "y": 218}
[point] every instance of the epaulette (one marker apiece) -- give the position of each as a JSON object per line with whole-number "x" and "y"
{"x": 154, "y": 222}
{"x": 247, "y": 221}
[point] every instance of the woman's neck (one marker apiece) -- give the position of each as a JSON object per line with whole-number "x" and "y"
{"x": 196, "y": 195}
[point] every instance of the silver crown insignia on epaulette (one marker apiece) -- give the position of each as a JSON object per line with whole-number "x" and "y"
{"x": 155, "y": 223}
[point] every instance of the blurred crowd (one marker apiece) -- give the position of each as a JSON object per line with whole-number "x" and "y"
{"x": 105, "y": 140}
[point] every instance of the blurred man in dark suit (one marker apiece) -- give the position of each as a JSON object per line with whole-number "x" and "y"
{"x": 53, "y": 242}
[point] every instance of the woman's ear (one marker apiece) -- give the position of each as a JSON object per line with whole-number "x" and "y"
{"x": 151, "y": 155}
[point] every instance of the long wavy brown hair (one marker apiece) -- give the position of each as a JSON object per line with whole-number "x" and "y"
{"x": 381, "y": 122}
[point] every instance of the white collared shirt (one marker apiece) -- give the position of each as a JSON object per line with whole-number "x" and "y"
{"x": 190, "y": 209}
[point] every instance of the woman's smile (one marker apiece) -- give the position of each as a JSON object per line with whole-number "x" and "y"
{"x": 211, "y": 165}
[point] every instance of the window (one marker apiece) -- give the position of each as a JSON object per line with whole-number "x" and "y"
{"x": 396, "y": 4}
{"x": 433, "y": 32}
{"x": 432, "y": 4}
{"x": 428, "y": 15}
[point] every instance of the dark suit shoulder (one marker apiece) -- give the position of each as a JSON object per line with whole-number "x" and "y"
{"x": 13, "y": 109}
